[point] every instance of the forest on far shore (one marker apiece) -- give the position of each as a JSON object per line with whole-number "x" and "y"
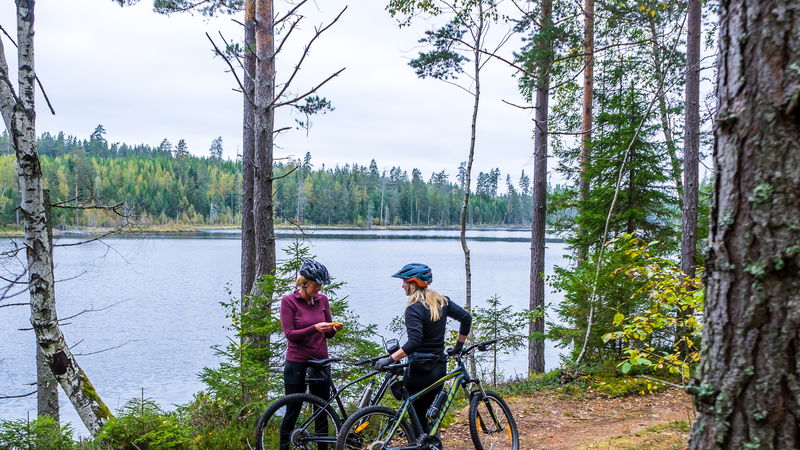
{"x": 169, "y": 185}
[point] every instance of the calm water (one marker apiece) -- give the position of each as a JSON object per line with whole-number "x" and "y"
{"x": 165, "y": 294}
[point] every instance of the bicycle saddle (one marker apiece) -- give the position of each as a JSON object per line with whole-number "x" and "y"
{"x": 323, "y": 362}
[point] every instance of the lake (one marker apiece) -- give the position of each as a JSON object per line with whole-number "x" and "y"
{"x": 162, "y": 294}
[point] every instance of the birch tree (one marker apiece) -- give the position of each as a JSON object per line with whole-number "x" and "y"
{"x": 747, "y": 390}
{"x": 19, "y": 115}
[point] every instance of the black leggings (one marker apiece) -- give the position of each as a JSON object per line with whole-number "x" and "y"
{"x": 294, "y": 382}
{"x": 417, "y": 379}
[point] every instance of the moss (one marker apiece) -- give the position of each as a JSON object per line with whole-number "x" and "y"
{"x": 761, "y": 194}
{"x": 87, "y": 388}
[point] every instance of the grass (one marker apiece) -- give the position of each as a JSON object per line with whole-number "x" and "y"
{"x": 664, "y": 436}
{"x": 606, "y": 386}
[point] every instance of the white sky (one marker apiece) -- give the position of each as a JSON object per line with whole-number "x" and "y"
{"x": 147, "y": 77}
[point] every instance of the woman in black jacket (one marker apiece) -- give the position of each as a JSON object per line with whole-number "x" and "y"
{"x": 426, "y": 319}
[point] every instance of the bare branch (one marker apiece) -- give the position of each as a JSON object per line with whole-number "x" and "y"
{"x": 288, "y": 33}
{"x": 107, "y": 349}
{"x": 228, "y": 62}
{"x": 285, "y": 175}
{"x": 14, "y": 304}
{"x": 290, "y": 13}
{"x": 38, "y": 81}
{"x": 280, "y": 130}
{"x": 3, "y": 397}
{"x": 317, "y": 34}
{"x": 106, "y": 234}
{"x": 71, "y": 278}
{"x": 517, "y": 106}
{"x": 311, "y": 91}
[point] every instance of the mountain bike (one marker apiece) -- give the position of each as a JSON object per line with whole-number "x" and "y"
{"x": 318, "y": 421}
{"x": 491, "y": 423}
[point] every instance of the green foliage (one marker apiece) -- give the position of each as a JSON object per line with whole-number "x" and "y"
{"x": 616, "y": 387}
{"x": 141, "y": 424}
{"x": 615, "y": 293}
{"x": 158, "y": 188}
{"x": 534, "y": 383}
{"x": 442, "y": 62}
{"x": 505, "y": 325}
{"x": 675, "y": 302}
{"x": 250, "y": 374}
{"x": 42, "y": 433}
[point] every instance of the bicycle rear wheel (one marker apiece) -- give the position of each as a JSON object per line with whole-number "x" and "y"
{"x": 314, "y": 426}
{"x": 367, "y": 429}
{"x": 491, "y": 424}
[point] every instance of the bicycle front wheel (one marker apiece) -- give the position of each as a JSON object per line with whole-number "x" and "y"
{"x": 298, "y": 421}
{"x": 491, "y": 424}
{"x": 368, "y": 429}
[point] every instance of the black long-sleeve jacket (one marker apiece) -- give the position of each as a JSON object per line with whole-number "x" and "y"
{"x": 427, "y": 336}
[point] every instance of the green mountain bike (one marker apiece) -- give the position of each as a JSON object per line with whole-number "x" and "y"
{"x": 491, "y": 423}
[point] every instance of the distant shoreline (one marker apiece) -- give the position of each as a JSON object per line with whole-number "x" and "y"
{"x": 283, "y": 231}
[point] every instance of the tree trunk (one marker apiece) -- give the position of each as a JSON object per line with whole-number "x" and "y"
{"x": 663, "y": 112}
{"x": 248, "y": 151}
{"x": 747, "y": 392}
{"x": 46, "y": 385}
{"x": 691, "y": 152}
{"x": 586, "y": 111}
{"x": 19, "y": 116}
{"x": 468, "y": 174}
{"x": 264, "y": 125}
{"x": 536, "y": 326}
{"x": 691, "y": 144}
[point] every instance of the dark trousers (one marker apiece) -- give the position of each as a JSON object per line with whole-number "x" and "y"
{"x": 294, "y": 382}
{"x": 417, "y": 378}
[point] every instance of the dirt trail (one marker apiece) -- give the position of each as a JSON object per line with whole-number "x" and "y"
{"x": 554, "y": 421}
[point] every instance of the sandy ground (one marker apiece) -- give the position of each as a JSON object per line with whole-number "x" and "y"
{"x": 554, "y": 421}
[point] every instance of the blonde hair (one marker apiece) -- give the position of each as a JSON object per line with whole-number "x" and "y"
{"x": 432, "y": 300}
{"x": 301, "y": 281}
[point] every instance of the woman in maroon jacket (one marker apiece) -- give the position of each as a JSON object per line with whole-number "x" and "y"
{"x": 307, "y": 323}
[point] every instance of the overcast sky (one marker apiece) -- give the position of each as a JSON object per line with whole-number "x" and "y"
{"x": 146, "y": 77}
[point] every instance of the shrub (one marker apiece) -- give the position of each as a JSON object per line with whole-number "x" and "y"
{"x": 43, "y": 432}
{"x": 141, "y": 424}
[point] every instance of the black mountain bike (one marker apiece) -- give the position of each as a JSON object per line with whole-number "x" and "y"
{"x": 491, "y": 423}
{"x": 319, "y": 421}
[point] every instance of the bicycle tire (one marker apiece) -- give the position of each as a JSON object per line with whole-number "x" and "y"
{"x": 500, "y": 436}
{"x": 269, "y": 422}
{"x": 351, "y": 435}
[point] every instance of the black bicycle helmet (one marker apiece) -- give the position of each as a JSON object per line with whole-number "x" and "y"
{"x": 314, "y": 271}
{"x": 416, "y": 272}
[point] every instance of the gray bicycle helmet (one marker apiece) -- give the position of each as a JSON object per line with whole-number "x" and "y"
{"x": 314, "y": 271}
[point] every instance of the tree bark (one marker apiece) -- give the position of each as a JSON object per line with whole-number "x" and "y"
{"x": 536, "y": 326}
{"x": 691, "y": 143}
{"x": 264, "y": 126}
{"x": 586, "y": 110}
{"x": 248, "y": 154}
{"x": 691, "y": 155}
{"x": 19, "y": 116}
{"x": 46, "y": 385}
{"x": 747, "y": 392}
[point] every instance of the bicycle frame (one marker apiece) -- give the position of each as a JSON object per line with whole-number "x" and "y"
{"x": 335, "y": 396}
{"x": 460, "y": 377}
